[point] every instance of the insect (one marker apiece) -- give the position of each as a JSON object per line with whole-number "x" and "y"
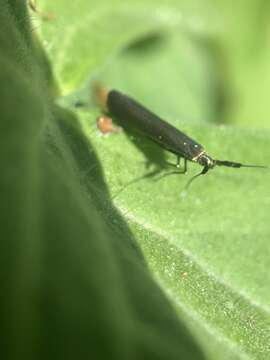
{"x": 165, "y": 135}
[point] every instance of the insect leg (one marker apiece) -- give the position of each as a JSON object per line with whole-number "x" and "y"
{"x": 178, "y": 161}
{"x": 185, "y": 166}
{"x": 175, "y": 171}
{"x": 178, "y": 165}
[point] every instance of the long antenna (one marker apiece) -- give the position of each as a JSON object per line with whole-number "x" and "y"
{"x": 238, "y": 165}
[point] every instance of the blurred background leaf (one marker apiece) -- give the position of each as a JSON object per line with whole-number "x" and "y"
{"x": 238, "y": 34}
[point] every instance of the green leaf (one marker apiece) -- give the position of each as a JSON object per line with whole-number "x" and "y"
{"x": 103, "y": 28}
{"x": 207, "y": 247}
{"x": 84, "y": 231}
{"x": 244, "y": 54}
{"x": 73, "y": 278}
{"x": 236, "y": 36}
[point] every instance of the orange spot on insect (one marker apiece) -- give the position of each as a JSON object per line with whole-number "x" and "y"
{"x": 106, "y": 126}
